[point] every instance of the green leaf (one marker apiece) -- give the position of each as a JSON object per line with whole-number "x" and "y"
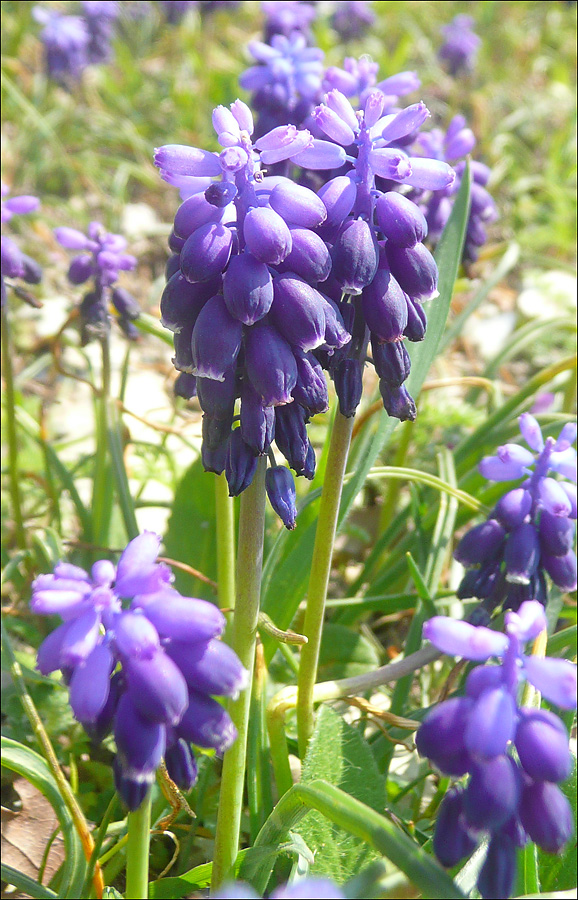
{"x": 26, "y": 885}
{"x": 111, "y": 893}
{"x": 339, "y": 755}
{"x": 558, "y": 873}
{"x": 18, "y": 758}
{"x": 344, "y": 653}
{"x": 190, "y": 537}
{"x": 196, "y": 879}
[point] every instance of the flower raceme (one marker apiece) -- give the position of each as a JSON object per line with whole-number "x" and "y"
{"x": 244, "y": 299}
{"x": 512, "y": 799}
{"x": 148, "y": 670}
{"x": 530, "y": 532}
{"x": 15, "y": 263}
{"x": 102, "y": 259}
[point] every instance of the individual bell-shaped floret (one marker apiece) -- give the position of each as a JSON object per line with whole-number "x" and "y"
{"x": 416, "y": 321}
{"x": 267, "y": 235}
{"x": 181, "y": 765}
{"x": 522, "y": 553}
{"x": 401, "y": 221}
{"x": 90, "y": 684}
{"x": 298, "y": 312}
{"x": 291, "y": 435}
{"x": 206, "y": 252}
{"x": 561, "y": 569}
{"x": 140, "y": 742}
{"x": 247, "y": 289}
{"x": 156, "y": 688}
{"x": 185, "y": 386}
{"x": 542, "y": 745}
{"x": 391, "y": 361}
{"x": 513, "y": 508}
{"x": 441, "y": 736}
{"x": 546, "y": 815}
{"x": 309, "y": 257}
{"x": 181, "y": 618}
{"x": 311, "y": 388}
{"x": 257, "y": 421}
{"x": 355, "y": 256}
{"x": 493, "y": 792}
{"x": 348, "y": 380}
{"x": 217, "y": 398}
{"x": 481, "y": 543}
{"x": 492, "y": 723}
{"x": 270, "y": 364}
{"x": 398, "y": 402}
{"x": 384, "y": 305}
{"x": 338, "y": 196}
{"x": 452, "y": 840}
{"x": 297, "y": 204}
{"x": 211, "y": 668}
{"x": 556, "y": 534}
{"x": 206, "y": 723}
{"x": 216, "y": 340}
{"x": 498, "y": 874}
{"x": 240, "y": 465}
{"x": 282, "y": 496}
{"x": 415, "y": 269}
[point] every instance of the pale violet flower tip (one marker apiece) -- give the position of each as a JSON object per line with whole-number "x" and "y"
{"x": 71, "y": 239}
{"x": 554, "y": 678}
{"x": 564, "y": 462}
{"x": 243, "y": 116}
{"x": 531, "y": 432}
{"x": 405, "y": 122}
{"x": 566, "y": 437}
{"x": 554, "y": 498}
{"x": 430, "y": 174}
{"x": 400, "y": 84}
{"x": 528, "y": 622}
{"x": 136, "y": 564}
{"x": 320, "y": 155}
{"x": 224, "y": 120}
{"x": 458, "y": 638}
{"x": 178, "y": 159}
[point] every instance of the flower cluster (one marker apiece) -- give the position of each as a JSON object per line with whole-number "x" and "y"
{"x": 352, "y": 19}
{"x": 100, "y": 16}
{"x": 531, "y": 530}
{"x": 380, "y": 265}
{"x": 509, "y": 798}
{"x": 15, "y": 263}
{"x": 321, "y": 888}
{"x": 452, "y": 146}
{"x": 287, "y": 17}
{"x": 149, "y": 671}
{"x": 358, "y": 77}
{"x": 460, "y": 46}
{"x": 243, "y": 299}
{"x": 66, "y": 41}
{"x": 102, "y": 259}
{"x": 286, "y": 80}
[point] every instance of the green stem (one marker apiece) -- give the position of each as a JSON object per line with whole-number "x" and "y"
{"x": 137, "y": 850}
{"x": 225, "y": 543}
{"x": 11, "y": 436}
{"x": 279, "y": 751}
{"x": 249, "y": 566}
{"x": 100, "y": 485}
{"x": 319, "y": 577}
{"x": 360, "y": 820}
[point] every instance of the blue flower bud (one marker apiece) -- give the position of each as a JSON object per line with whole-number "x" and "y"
{"x": 181, "y": 301}
{"x": 297, "y": 204}
{"x": 481, "y": 543}
{"x": 175, "y": 242}
{"x": 211, "y": 668}
{"x": 125, "y": 303}
{"x": 459, "y": 638}
{"x": 81, "y": 638}
{"x": 298, "y": 312}
{"x": 512, "y": 509}
{"x": 216, "y": 340}
{"x": 257, "y": 421}
{"x": 338, "y": 196}
{"x": 206, "y": 723}
{"x": 282, "y": 496}
{"x": 220, "y": 193}
{"x": 135, "y": 636}
{"x": 267, "y": 235}
{"x": 546, "y": 815}
{"x": 80, "y": 269}
{"x": 480, "y": 582}
{"x": 355, "y": 256}
{"x": 452, "y": 840}
{"x": 483, "y": 678}
{"x": 348, "y": 380}
{"x": 553, "y": 496}
{"x": 416, "y": 321}
{"x": 240, "y": 465}
{"x": 493, "y": 793}
{"x": 156, "y": 688}
{"x": 498, "y": 874}
{"x": 90, "y": 684}
{"x": 554, "y": 678}
{"x": 397, "y": 402}
{"x": 309, "y": 257}
{"x": 216, "y": 433}
{"x": 556, "y": 534}
{"x": 561, "y": 569}
{"x": 270, "y": 364}
{"x": 182, "y": 618}
{"x": 391, "y": 361}
{"x": 522, "y": 553}
{"x": 542, "y": 745}
{"x": 291, "y": 434}
{"x": 247, "y": 288}
{"x": 194, "y": 212}
{"x": 173, "y": 265}
{"x": 415, "y": 269}
{"x": 385, "y": 306}
{"x": 185, "y": 386}
{"x": 181, "y": 765}
{"x": 140, "y": 742}
{"x": 206, "y": 252}
{"x": 217, "y": 398}
{"x": 132, "y": 791}
{"x": 400, "y": 220}
{"x": 336, "y": 334}
{"x": 214, "y": 458}
{"x": 492, "y": 724}
{"x": 311, "y": 388}
{"x": 441, "y": 736}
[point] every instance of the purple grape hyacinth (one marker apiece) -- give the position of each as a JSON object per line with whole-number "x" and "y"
{"x": 352, "y": 19}
{"x": 15, "y": 263}
{"x": 531, "y": 530}
{"x": 381, "y": 270}
{"x": 512, "y": 799}
{"x": 148, "y": 670}
{"x": 461, "y": 44}
{"x": 102, "y": 259}
{"x": 100, "y": 16}
{"x": 452, "y": 146}
{"x": 66, "y": 41}
{"x": 244, "y": 301}
{"x": 287, "y": 17}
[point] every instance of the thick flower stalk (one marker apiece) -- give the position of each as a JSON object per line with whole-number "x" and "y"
{"x": 100, "y": 16}
{"x": 140, "y": 660}
{"x": 66, "y": 41}
{"x": 510, "y": 798}
{"x": 244, "y": 303}
{"x": 15, "y": 263}
{"x": 100, "y": 261}
{"x": 530, "y": 532}
{"x": 286, "y": 80}
{"x": 452, "y": 146}
{"x": 320, "y": 888}
{"x": 381, "y": 270}
{"x": 460, "y": 46}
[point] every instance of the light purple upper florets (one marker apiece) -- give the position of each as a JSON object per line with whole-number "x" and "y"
{"x": 460, "y": 46}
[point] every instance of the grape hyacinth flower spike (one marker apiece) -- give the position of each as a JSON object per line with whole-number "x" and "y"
{"x": 381, "y": 271}
{"x": 15, "y": 263}
{"x": 452, "y": 146}
{"x": 460, "y": 46}
{"x": 66, "y": 41}
{"x": 287, "y": 17}
{"x": 530, "y": 532}
{"x": 101, "y": 260}
{"x": 352, "y": 19}
{"x": 100, "y": 16}
{"x": 140, "y": 660}
{"x": 511, "y": 799}
{"x": 244, "y": 300}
